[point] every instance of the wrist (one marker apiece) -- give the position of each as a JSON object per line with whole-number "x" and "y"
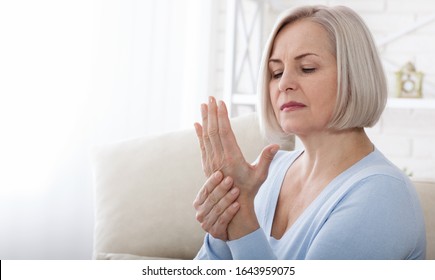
{"x": 244, "y": 222}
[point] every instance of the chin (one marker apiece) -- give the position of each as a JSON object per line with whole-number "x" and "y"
{"x": 292, "y": 129}
{"x": 291, "y": 126}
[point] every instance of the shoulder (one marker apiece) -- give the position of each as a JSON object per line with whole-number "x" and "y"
{"x": 384, "y": 202}
{"x": 378, "y": 181}
{"x": 376, "y": 174}
{"x": 378, "y": 218}
{"x": 384, "y": 189}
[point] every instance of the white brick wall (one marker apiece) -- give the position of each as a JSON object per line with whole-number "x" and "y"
{"x": 405, "y": 135}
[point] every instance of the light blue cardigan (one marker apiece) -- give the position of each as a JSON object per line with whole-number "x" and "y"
{"x": 370, "y": 211}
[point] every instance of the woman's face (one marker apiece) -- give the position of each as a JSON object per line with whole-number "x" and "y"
{"x": 303, "y": 84}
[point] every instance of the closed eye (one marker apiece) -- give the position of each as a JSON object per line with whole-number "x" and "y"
{"x": 276, "y": 75}
{"x": 308, "y": 70}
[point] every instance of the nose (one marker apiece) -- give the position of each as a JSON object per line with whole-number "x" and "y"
{"x": 287, "y": 83}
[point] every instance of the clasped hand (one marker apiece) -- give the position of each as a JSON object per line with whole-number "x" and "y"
{"x": 225, "y": 204}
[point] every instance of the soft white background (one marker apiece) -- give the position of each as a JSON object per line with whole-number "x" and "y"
{"x": 75, "y": 74}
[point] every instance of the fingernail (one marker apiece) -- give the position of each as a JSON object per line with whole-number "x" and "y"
{"x": 221, "y": 106}
{"x": 234, "y": 191}
{"x": 235, "y": 204}
{"x": 227, "y": 180}
{"x": 211, "y": 99}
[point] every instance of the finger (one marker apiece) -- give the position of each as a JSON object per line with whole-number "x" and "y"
{"x": 220, "y": 228}
{"x": 206, "y": 138}
{"x": 208, "y": 187}
{"x": 216, "y": 195}
{"x": 198, "y": 130}
{"x": 228, "y": 139}
{"x": 213, "y": 133}
{"x": 219, "y": 209}
{"x": 266, "y": 157}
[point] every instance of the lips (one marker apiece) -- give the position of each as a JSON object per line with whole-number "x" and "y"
{"x": 291, "y": 106}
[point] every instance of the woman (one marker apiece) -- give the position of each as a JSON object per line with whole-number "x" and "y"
{"x": 321, "y": 79}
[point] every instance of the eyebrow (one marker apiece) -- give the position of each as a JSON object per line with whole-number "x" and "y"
{"x": 299, "y": 57}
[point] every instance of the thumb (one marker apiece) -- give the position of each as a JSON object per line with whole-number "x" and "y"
{"x": 266, "y": 158}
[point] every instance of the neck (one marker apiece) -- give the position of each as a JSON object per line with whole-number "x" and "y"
{"x": 333, "y": 152}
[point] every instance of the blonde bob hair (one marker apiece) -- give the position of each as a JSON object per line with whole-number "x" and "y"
{"x": 362, "y": 89}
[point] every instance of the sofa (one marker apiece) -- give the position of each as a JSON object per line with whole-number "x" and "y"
{"x": 144, "y": 189}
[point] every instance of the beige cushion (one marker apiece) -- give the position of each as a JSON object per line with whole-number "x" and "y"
{"x": 426, "y": 191}
{"x": 145, "y": 188}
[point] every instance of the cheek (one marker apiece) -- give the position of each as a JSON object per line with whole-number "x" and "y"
{"x": 332, "y": 97}
{"x": 326, "y": 102}
{"x": 327, "y": 87}
{"x": 273, "y": 96}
